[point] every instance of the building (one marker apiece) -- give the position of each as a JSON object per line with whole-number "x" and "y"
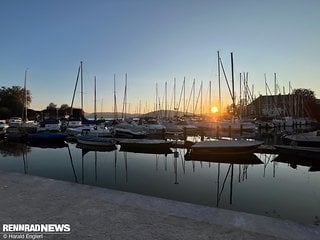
{"x": 273, "y": 106}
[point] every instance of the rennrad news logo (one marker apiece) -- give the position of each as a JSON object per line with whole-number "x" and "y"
{"x": 36, "y": 228}
{"x": 33, "y": 231}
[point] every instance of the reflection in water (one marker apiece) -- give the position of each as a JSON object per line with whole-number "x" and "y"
{"x": 175, "y": 165}
{"x": 268, "y": 159}
{"x": 115, "y": 166}
{"x": 72, "y": 166}
{"x": 46, "y": 144}
{"x": 25, "y": 162}
{"x": 125, "y": 156}
{"x": 13, "y": 149}
{"x": 294, "y": 162}
{"x": 259, "y": 183}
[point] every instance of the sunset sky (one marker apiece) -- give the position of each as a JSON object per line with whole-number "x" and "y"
{"x": 153, "y": 42}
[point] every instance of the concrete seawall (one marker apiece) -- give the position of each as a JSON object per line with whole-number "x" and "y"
{"x": 98, "y": 213}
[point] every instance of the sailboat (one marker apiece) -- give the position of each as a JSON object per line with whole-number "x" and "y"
{"x": 20, "y": 127}
{"x": 225, "y": 147}
{"x": 233, "y": 124}
{"x": 89, "y": 127}
{"x": 121, "y": 128}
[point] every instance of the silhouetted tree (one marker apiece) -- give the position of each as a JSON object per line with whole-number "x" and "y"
{"x": 308, "y": 98}
{"x": 12, "y": 101}
{"x": 64, "y": 107}
{"x": 52, "y": 106}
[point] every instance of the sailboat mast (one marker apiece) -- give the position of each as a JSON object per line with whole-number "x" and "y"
{"x": 193, "y": 98}
{"x": 115, "y": 110}
{"x": 74, "y": 91}
{"x": 275, "y": 91}
{"x": 266, "y": 87}
{"x": 25, "y": 117}
{"x": 210, "y": 96}
{"x": 166, "y": 101}
{"x": 184, "y": 96}
{"x": 124, "y": 106}
{"x": 240, "y": 97}
{"x": 219, "y": 82}
{"x": 156, "y": 106}
{"x": 81, "y": 77}
{"x": 95, "y": 98}
{"x": 232, "y": 85}
{"x": 201, "y": 100}
{"x": 174, "y": 94}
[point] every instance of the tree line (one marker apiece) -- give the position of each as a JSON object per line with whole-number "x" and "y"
{"x": 14, "y": 100}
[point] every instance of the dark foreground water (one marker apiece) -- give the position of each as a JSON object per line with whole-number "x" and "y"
{"x": 271, "y": 188}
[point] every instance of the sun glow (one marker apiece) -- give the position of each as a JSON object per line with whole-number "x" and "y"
{"x": 214, "y": 109}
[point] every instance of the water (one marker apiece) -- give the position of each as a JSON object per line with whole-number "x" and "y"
{"x": 271, "y": 188}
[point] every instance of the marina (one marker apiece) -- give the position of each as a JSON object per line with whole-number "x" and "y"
{"x": 160, "y": 119}
{"x": 239, "y": 164}
{"x": 261, "y": 181}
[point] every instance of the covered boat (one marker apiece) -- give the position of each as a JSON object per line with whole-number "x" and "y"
{"x": 95, "y": 140}
{"x": 300, "y": 151}
{"x": 295, "y": 160}
{"x": 225, "y": 147}
{"x": 47, "y": 136}
{"x": 145, "y": 144}
{"x": 49, "y": 125}
{"x": 245, "y": 158}
{"x": 309, "y": 139}
{"x": 87, "y": 148}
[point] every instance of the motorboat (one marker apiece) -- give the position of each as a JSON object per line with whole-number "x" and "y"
{"x": 225, "y": 147}
{"x": 95, "y": 140}
{"x": 309, "y": 139}
{"x": 300, "y": 151}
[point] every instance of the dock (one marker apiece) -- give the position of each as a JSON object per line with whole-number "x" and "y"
{"x": 268, "y": 149}
{"x": 98, "y": 213}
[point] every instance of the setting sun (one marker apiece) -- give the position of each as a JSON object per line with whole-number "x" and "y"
{"x": 214, "y": 109}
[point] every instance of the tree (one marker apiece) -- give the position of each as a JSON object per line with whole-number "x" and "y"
{"x": 52, "y": 106}
{"x": 306, "y": 93}
{"x": 64, "y": 106}
{"x": 307, "y": 99}
{"x": 12, "y": 101}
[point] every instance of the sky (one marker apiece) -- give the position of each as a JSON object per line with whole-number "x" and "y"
{"x": 154, "y": 42}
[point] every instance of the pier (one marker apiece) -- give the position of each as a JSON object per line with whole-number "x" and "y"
{"x": 97, "y": 213}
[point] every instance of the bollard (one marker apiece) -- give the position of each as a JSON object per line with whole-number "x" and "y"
{"x": 201, "y": 134}
{"x": 259, "y": 129}
{"x": 163, "y": 133}
{"x": 217, "y": 132}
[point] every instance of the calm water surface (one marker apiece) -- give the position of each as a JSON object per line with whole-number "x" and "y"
{"x": 271, "y": 188}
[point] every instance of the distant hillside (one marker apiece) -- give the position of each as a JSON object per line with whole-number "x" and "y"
{"x": 155, "y": 114}
{"x": 163, "y": 114}
{"x": 107, "y": 115}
